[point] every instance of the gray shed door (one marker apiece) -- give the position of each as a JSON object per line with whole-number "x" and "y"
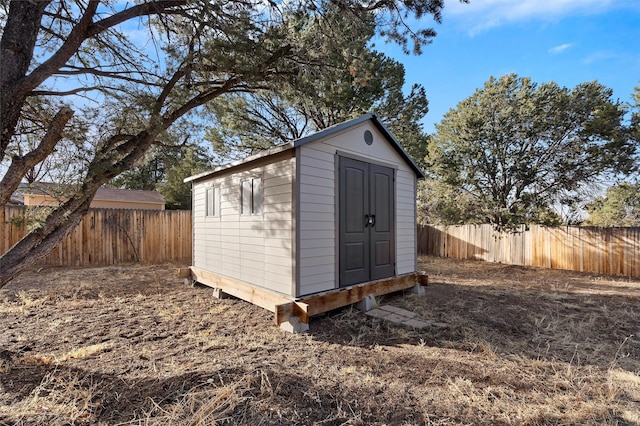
{"x": 366, "y": 201}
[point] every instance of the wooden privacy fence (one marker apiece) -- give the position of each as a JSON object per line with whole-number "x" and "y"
{"x": 109, "y": 237}
{"x": 610, "y": 251}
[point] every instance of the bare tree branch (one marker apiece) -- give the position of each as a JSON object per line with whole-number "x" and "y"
{"x": 73, "y": 41}
{"x": 72, "y": 91}
{"x": 116, "y": 75}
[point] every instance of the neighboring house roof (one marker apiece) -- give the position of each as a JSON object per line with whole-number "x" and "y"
{"x": 16, "y": 200}
{"x": 319, "y": 135}
{"x": 128, "y": 195}
{"x": 103, "y": 194}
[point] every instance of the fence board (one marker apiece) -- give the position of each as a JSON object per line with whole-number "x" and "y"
{"x": 610, "y": 251}
{"x": 109, "y": 237}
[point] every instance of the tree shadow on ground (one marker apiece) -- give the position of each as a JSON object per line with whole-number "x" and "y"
{"x": 89, "y": 395}
{"x": 504, "y": 350}
{"x": 581, "y": 327}
{"x": 268, "y": 395}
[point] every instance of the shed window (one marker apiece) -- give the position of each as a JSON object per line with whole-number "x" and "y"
{"x": 251, "y": 196}
{"x": 213, "y": 202}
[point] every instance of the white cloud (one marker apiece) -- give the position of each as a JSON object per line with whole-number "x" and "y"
{"x": 556, "y": 50}
{"x": 482, "y": 15}
{"x": 600, "y": 56}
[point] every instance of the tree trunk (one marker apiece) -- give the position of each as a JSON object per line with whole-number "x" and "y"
{"x": 3, "y": 227}
{"x": 16, "y": 50}
{"x": 37, "y": 244}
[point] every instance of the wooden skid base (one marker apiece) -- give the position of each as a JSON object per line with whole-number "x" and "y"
{"x": 259, "y": 296}
{"x": 184, "y": 273}
{"x": 333, "y": 299}
{"x": 286, "y": 308}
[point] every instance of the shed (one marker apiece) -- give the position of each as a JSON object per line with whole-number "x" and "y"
{"x": 309, "y": 226}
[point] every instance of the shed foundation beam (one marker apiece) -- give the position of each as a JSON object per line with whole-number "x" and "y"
{"x": 422, "y": 278}
{"x": 263, "y": 297}
{"x": 333, "y": 299}
{"x": 292, "y": 316}
{"x": 184, "y": 273}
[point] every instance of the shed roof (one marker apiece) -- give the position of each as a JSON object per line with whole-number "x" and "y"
{"x": 314, "y": 137}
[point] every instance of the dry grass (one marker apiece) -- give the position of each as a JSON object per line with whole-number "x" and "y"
{"x": 131, "y": 346}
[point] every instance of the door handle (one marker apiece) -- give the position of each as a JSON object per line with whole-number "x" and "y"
{"x": 370, "y": 220}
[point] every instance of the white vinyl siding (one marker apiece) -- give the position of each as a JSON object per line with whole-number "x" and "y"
{"x": 255, "y": 248}
{"x": 317, "y": 227}
{"x": 406, "y": 250}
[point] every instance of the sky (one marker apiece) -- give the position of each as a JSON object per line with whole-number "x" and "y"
{"x": 566, "y": 41}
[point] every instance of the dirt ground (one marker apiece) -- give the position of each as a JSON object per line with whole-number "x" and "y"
{"x": 133, "y": 345}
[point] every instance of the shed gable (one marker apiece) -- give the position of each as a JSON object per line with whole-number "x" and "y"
{"x": 317, "y": 206}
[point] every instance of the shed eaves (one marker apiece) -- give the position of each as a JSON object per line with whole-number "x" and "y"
{"x": 374, "y": 118}
{"x": 261, "y": 154}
